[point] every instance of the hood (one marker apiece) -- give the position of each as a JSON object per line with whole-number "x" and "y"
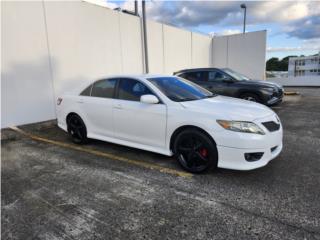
{"x": 231, "y": 108}
{"x": 261, "y": 83}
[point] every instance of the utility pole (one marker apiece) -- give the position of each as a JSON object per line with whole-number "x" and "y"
{"x": 244, "y": 17}
{"x": 144, "y": 23}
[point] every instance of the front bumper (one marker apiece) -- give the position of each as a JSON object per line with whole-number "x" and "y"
{"x": 233, "y": 158}
{"x": 274, "y": 100}
{"x": 232, "y": 146}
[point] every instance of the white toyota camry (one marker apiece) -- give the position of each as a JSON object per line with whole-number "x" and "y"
{"x": 172, "y": 116}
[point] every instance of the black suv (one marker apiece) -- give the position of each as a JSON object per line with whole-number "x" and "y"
{"x": 230, "y": 83}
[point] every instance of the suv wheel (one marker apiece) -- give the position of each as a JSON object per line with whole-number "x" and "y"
{"x": 250, "y": 97}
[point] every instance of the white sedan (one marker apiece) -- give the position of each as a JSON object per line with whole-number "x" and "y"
{"x": 172, "y": 116}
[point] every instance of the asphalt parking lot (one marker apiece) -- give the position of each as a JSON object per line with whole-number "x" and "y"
{"x": 53, "y": 189}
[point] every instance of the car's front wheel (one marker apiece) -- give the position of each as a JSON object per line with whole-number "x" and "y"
{"x": 195, "y": 151}
{"x": 77, "y": 129}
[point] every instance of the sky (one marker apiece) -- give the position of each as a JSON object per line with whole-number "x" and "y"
{"x": 293, "y": 27}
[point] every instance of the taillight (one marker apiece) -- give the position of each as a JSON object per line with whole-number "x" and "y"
{"x": 59, "y": 101}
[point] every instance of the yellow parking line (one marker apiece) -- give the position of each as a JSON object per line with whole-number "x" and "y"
{"x": 106, "y": 155}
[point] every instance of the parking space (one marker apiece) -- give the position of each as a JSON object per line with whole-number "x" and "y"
{"x": 53, "y": 189}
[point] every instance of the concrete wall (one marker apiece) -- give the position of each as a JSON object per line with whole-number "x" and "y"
{"x": 306, "y": 81}
{"x": 201, "y": 50}
{"x": 171, "y": 49}
{"x": 49, "y": 47}
{"x": 26, "y": 83}
{"x": 155, "y": 47}
{"x": 177, "y": 49}
{"x": 244, "y": 53}
{"x": 85, "y": 42}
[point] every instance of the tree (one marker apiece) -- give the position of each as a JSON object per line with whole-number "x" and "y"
{"x": 274, "y": 64}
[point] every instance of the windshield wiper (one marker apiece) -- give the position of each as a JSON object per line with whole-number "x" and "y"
{"x": 186, "y": 99}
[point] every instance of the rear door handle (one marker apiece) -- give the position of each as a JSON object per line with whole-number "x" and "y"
{"x": 80, "y": 101}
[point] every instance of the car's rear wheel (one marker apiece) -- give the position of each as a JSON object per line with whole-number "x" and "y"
{"x": 251, "y": 97}
{"x": 77, "y": 129}
{"x": 195, "y": 151}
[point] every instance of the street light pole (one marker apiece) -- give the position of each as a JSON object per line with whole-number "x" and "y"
{"x": 244, "y": 17}
{"x": 146, "y": 60}
{"x": 136, "y": 7}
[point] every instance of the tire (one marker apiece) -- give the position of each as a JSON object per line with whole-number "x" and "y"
{"x": 251, "y": 97}
{"x": 195, "y": 151}
{"x": 77, "y": 129}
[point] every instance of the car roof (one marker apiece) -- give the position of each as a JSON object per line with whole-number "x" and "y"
{"x": 144, "y": 76}
{"x": 196, "y": 69}
{"x": 85, "y": 84}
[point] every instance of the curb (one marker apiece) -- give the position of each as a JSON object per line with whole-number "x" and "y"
{"x": 291, "y": 93}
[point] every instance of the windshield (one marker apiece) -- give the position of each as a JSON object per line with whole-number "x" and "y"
{"x": 235, "y": 75}
{"x": 179, "y": 90}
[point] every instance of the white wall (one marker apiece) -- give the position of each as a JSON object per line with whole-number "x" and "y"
{"x": 201, "y": 50}
{"x": 131, "y": 44}
{"x": 26, "y": 84}
{"x": 49, "y": 47}
{"x": 155, "y": 47}
{"x": 177, "y": 49}
{"x": 171, "y": 49}
{"x": 85, "y": 42}
{"x": 244, "y": 53}
{"x": 306, "y": 81}
{"x": 220, "y": 51}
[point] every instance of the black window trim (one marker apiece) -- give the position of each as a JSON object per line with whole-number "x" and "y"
{"x": 151, "y": 90}
{"x": 205, "y": 70}
{"x": 90, "y": 85}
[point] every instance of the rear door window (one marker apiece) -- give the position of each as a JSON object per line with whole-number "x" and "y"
{"x": 195, "y": 76}
{"x": 104, "y": 88}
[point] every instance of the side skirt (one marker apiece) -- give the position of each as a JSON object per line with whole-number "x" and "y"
{"x": 131, "y": 144}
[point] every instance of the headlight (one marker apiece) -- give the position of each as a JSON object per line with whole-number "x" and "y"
{"x": 239, "y": 126}
{"x": 268, "y": 89}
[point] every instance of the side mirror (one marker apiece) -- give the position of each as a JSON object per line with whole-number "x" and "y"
{"x": 228, "y": 80}
{"x": 150, "y": 99}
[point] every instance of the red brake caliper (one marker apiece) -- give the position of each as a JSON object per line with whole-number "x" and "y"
{"x": 204, "y": 152}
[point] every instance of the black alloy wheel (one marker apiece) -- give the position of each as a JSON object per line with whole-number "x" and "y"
{"x": 77, "y": 129}
{"x": 195, "y": 151}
